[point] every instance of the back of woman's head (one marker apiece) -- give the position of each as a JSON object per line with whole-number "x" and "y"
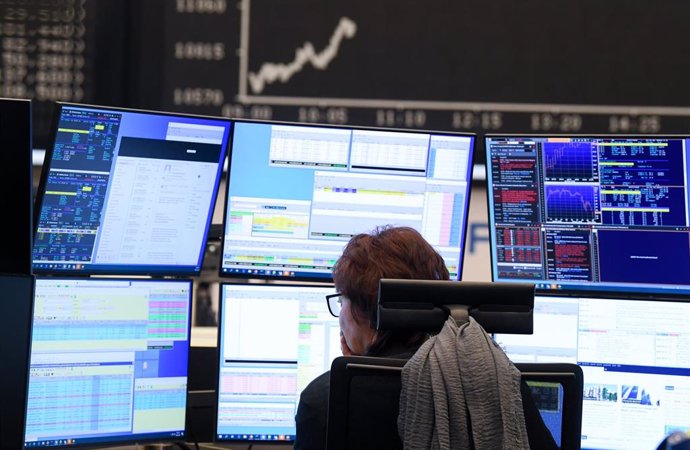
{"x": 388, "y": 252}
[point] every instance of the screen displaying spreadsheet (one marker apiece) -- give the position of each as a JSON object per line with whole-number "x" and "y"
{"x": 108, "y": 362}
{"x": 273, "y": 341}
{"x": 297, "y": 193}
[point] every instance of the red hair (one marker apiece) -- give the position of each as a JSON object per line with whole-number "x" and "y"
{"x": 388, "y": 252}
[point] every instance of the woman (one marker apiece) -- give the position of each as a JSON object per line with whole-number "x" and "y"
{"x": 400, "y": 253}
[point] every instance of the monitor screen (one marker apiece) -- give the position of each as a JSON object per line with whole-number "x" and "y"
{"x": 577, "y": 213}
{"x": 634, "y": 355}
{"x": 297, "y": 194}
{"x": 548, "y": 398}
{"x": 127, "y": 192}
{"x": 273, "y": 340}
{"x": 17, "y": 200}
{"x": 108, "y": 362}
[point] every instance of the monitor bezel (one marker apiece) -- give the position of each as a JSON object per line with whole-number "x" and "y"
{"x": 123, "y": 269}
{"x": 593, "y": 289}
{"x": 18, "y": 113}
{"x": 329, "y": 278}
{"x": 128, "y": 438}
{"x": 267, "y": 284}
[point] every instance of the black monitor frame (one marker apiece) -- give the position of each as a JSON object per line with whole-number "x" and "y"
{"x": 328, "y": 279}
{"x": 172, "y": 271}
{"x": 592, "y": 289}
{"x": 16, "y": 157}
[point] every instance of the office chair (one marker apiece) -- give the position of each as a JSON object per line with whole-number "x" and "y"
{"x": 365, "y": 392}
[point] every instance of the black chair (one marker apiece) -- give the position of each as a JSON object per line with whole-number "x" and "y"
{"x": 365, "y": 394}
{"x": 363, "y": 403}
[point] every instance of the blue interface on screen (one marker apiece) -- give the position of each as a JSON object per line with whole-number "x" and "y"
{"x": 548, "y": 398}
{"x": 260, "y": 379}
{"x": 635, "y": 362}
{"x": 590, "y": 213}
{"x": 128, "y": 192}
{"x": 108, "y": 362}
{"x": 297, "y": 194}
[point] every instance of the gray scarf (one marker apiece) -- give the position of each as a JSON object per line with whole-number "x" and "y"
{"x": 460, "y": 391}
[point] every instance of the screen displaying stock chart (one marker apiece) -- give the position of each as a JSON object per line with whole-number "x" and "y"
{"x": 604, "y": 213}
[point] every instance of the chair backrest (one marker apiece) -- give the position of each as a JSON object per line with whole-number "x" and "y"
{"x": 365, "y": 393}
{"x": 363, "y": 403}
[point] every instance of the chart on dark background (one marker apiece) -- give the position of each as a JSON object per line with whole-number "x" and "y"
{"x": 531, "y": 66}
{"x": 472, "y": 65}
{"x": 571, "y": 203}
{"x": 573, "y": 161}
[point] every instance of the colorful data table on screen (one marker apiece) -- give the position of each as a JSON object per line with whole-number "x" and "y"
{"x": 109, "y": 360}
{"x": 297, "y": 193}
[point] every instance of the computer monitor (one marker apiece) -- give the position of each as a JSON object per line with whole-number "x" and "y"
{"x": 108, "y": 362}
{"x": 634, "y": 355}
{"x": 603, "y": 213}
{"x": 127, "y": 192}
{"x": 297, "y": 193}
{"x": 16, "y": 185}
{"x": 272, "y": 341}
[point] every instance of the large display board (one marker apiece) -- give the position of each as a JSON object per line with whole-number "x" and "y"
{"x": 63, "y": 50}
{"x": 533, "y": 66}
{"x": 469, "y": 66}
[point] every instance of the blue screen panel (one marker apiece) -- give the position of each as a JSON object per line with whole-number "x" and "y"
{"x": 128, "y": 192}
{"x": 298, "y": 193}
{"x": 108, "y": 362}
{"x": 578, "y": 213}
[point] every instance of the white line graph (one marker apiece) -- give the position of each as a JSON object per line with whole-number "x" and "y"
{"x": 273, "y": 72}
{"x": 256, "y": 98}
